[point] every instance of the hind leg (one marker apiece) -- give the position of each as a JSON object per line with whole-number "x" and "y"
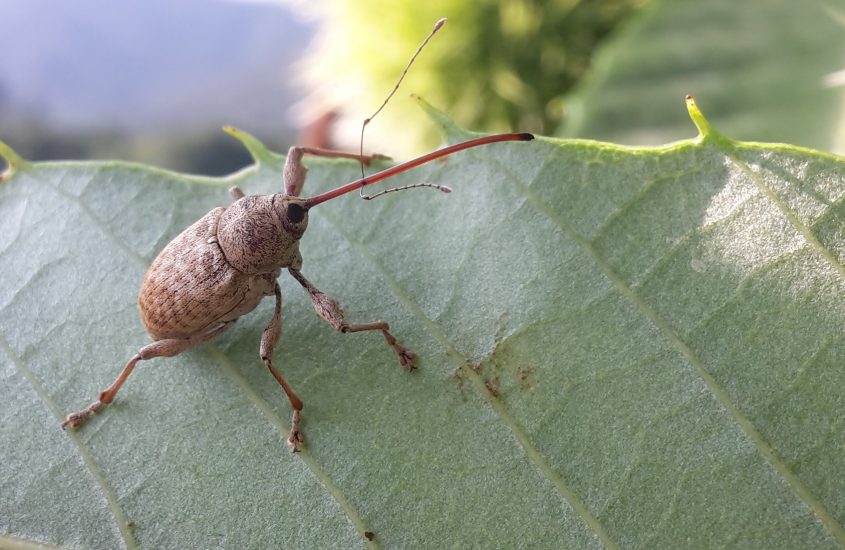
{"x": 159, "y": 348}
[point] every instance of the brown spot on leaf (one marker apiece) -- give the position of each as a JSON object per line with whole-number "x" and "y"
{"x": 492, "y": 385}
{"x": 460, "y": 378}
{"x": 524, "y": 375}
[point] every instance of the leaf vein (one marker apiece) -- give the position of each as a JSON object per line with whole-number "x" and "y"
{"x": 307, "y": 458}
{"x": 720, "y": 394}
{"x": 478, "y": 383}
{"x": 101, "y": 225}
{"x": 789, "y": 214}
{"x": 88, "y": 460}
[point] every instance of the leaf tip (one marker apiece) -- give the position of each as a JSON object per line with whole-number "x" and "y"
{"x": 452, "y": 131}
{"x": 705, "y": 130}
{"x": 13, "y": 161}
{"x": 257, "y": 150}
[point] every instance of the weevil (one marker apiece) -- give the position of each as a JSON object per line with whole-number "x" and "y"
{"x": 223, "y": 265}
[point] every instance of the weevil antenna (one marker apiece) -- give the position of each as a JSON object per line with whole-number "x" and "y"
{"x": 437, "y": 25}
{"x": 441, "y": 188}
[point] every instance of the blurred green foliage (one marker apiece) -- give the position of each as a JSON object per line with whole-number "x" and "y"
{"x": 496, "y": 66}
{"x": 768, "y": 70}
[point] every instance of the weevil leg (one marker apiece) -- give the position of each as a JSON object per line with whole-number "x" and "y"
{"x": 294, "y": 172}
{"x": 329, "y": 311}
{"x": 236, "y": 193}
{"x": 159, "y": 348}
{"x": 269, "y": 337}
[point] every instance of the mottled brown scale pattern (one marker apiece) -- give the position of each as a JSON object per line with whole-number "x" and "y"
{"x": 190, "y": 288}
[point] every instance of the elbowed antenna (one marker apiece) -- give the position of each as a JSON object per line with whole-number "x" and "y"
{"x": 440, "y": 22}
{"x": 399, "y": 168}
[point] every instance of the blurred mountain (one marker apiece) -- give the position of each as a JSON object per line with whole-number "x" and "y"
{"x": 141, "y": 66}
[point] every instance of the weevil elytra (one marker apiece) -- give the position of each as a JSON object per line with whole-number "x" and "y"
{"x": 223, "y": 265}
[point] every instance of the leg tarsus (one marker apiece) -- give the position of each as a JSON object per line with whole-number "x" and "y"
{"x": 295, "y": 438}
{"x": 76, "y": 419}
{"x": 407, "y": 358}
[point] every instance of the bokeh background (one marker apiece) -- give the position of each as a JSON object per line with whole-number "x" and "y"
{"x": 150, "y": 80}
{"x": 154, "y": 80}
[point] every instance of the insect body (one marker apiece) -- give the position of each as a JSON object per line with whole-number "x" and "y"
{"x": 223, "y": 265}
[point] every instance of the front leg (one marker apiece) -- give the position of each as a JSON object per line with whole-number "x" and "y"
{"x": 329, "y": 311}
{"x": 294, "y": 171}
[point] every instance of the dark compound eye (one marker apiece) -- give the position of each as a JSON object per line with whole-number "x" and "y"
{"x": 296, "y": 213}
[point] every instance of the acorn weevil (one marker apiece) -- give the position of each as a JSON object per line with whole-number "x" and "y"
{"x": 223, "y": 265}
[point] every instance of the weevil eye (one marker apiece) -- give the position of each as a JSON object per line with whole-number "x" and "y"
{"x": 295, "y": 212}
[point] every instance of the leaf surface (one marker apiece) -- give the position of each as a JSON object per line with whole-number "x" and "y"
{"x": 618, "y": 347}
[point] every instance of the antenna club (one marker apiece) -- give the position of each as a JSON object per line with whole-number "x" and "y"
{"x": 440, "y": 23}
{"x": 526, "y": 137}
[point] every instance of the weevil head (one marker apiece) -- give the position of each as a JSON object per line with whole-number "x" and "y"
{"x": 260, "y": 233}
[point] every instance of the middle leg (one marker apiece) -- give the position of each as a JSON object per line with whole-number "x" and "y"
{"x": 269, "y": 337}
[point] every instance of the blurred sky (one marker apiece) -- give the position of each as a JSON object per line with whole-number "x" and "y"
{"x": 157, "y": 67}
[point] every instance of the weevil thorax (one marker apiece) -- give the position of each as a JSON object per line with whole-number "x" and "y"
{"x": 260, "y": 233}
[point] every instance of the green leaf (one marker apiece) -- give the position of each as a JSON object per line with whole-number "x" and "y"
{"x": 763, "y": 68}
{"x": 618, "y": 347}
